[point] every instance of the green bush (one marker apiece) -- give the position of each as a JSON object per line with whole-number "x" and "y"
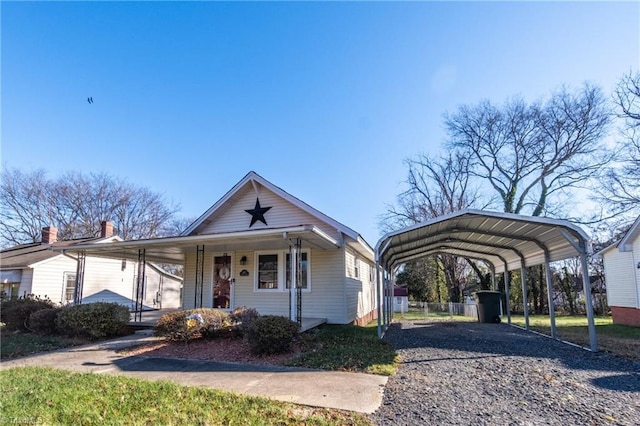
{"x": 93, "y": 320}
{"x": 44, "y": 321}
{"x": 16, "y": 312}
{"x": 242, "y": 318}
{"x": 183, "y": 326}
{"x": 271, "y": 334}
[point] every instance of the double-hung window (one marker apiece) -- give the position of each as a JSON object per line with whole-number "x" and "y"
{"x": 69, "y": 286}
{"x": 267, "y": 274}
{"x": 304, "y": 266}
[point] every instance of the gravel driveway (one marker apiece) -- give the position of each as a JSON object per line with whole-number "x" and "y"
{"x": 493, "y": 374}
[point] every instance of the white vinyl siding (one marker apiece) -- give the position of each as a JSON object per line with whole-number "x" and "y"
{"x": 636, "y": 268}
{"x": 326, "y": 298}
{"x": 26, "y": 283}
{"x": 620, "y": 273}
{"x": 189, "y": 287}
{"x": 233, "y": 217}
{"x": 106, "y": 281}
{"x": 360, "y": 288}
{"x": 48, "y": 278}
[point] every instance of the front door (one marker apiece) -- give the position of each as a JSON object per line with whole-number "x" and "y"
{"x": 222, "y": 282}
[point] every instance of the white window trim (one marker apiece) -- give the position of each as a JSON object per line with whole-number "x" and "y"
{"x": 282, "y": 270}
{"x": 65, "y": 279}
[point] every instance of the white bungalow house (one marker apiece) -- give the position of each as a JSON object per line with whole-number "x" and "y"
{"x": 622, "y": 273}
{"x": 261, "y": 247}
{"x": 41, "y": 269}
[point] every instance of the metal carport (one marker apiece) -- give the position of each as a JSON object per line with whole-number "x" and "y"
{"x": 505, "y": 241}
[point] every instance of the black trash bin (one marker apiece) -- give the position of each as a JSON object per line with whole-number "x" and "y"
{"x": 488, "y": 304}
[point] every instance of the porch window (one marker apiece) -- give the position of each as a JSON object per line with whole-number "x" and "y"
{"x": 267, "y": 274}
{"x": 304, "y": 264}
{"x": 10, "y": 290}
{"x": 69, "y": 286}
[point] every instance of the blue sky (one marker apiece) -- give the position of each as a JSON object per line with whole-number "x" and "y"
{"x": 324, "y": 99}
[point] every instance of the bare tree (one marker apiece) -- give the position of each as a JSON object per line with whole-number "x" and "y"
{"x": 529, "y": 153}
{"x": 620, "y": 189}
{"x": 435, "y": 188}
{"x": 25, "y": 206}
{"x": 76, "y": 204}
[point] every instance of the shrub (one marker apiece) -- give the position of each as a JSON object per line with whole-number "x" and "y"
{"x": 271, "y": 334}
{"x": 16, "y": 312}
{"x": 242, "y": 318}
{"x": 215, "y": 321}
{"x": 44, "y": 321}
{"x": 93, "y": 320}
{"x": 182, "y": 326}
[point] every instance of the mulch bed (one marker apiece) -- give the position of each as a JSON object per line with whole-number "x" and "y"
{"x": 221, "y": 350}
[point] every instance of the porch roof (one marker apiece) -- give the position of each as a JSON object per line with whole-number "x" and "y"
{"x": 173, "y": 249}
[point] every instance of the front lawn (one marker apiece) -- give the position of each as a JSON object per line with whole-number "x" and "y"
{"x": 615, "y": 338}
{"x": 36, "y": 395}
{"x": 347, "y": 348}
{"x": 20, "y": 344}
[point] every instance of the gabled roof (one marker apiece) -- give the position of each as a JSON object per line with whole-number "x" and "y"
{"x": 626, "y": 242}
{"x": 252, "y": 178}
{"x": 633, "y": 232}
{"x": 28, "y": 255}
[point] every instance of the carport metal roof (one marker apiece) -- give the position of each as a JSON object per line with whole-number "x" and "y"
{"x": 499, "y": 238}
{"x": 506, "y": 241}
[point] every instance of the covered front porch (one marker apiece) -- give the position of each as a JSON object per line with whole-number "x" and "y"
{"x": 221, "y": 270}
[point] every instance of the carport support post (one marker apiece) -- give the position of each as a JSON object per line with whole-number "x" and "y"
{"x": 525, "y": 299}
{"x": 494, "y": 284}
{"x": 552, "y": 308}
{"x": 586, "y": 284}
{"x": 506, "y": 290}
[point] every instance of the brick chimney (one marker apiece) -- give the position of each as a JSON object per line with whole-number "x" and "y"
{"x": 49, "y": 234}
{"x": 106, "y": 229}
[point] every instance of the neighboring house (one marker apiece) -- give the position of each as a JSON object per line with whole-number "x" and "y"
{"x": 622, "y": 273}
{"x": 400, "y": 299}
{"x": 261, "y": 247}
{"x": 41, "y": 269}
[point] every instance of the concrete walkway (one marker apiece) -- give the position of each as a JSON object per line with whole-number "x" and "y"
{"x": 330, "y": 389}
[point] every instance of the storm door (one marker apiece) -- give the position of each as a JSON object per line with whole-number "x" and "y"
{"x": 222, "y": 282}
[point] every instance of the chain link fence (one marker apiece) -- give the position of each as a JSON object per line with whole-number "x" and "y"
{"x": 446, "y": 311}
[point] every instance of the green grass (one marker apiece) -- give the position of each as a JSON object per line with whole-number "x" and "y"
{"x": 14, "y": 345}
{"x": 39, "y": 395}
{"x": 347, "y": 348}
{"x": 615, "y": 338}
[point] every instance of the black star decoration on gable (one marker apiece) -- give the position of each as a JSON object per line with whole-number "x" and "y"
{"x": 257, "y": 213}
